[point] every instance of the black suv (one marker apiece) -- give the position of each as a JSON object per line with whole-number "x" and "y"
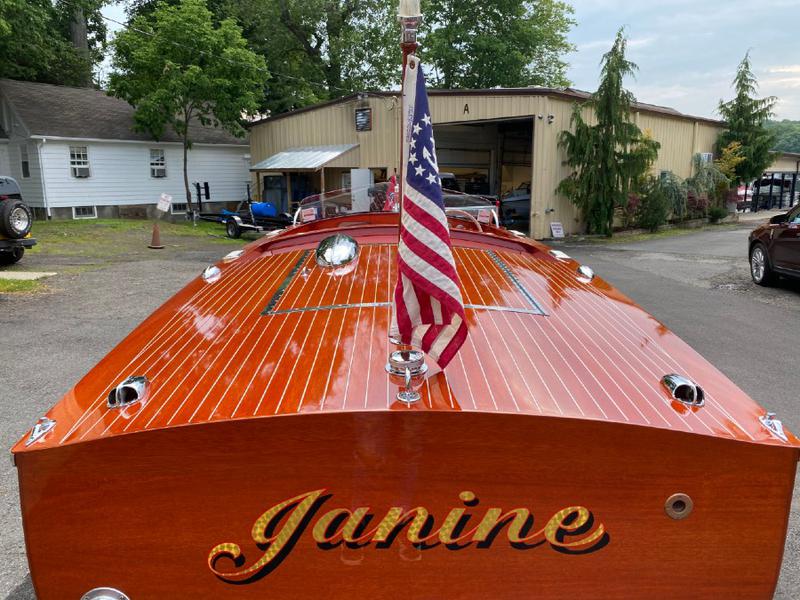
{"x": 16, "y": 220}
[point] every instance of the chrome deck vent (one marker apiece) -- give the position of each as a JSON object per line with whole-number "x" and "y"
{"x": 132, "y": 390}
{"x": 337, "y": 253}
{"x": 558, "y": 254}
{"x": 407, "y": 368}
{"x": 40, "y": 430}
{"x": 773, "y": 425}
{"x": 684, "y": 390}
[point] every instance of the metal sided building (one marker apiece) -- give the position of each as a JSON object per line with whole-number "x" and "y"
{"x": 493, "y": 141}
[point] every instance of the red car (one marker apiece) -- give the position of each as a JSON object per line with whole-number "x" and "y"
{"x": 775, "y": 248}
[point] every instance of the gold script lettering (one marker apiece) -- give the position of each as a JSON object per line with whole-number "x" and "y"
{"x": 276, "y": 542}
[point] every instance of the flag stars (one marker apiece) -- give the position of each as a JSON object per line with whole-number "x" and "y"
{"x": 413, "y": 159}
{"x": 432, "y": 178}
{"x": 427, "y": 120}
{"x": 417, "y": 128}
{"x": 413, "y": 143}
{"x": 419, "y": 170}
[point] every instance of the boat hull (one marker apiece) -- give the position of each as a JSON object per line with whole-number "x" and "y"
{"x": 160, "y": 514}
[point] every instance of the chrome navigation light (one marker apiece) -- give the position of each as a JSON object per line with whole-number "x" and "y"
{"x": 132, "y": 390}
{"x": 773, "y": 425}
{"x": 212, "y": 274}
{"x": 104, "y": 593}
{"x": 585, "y": 274}
{"x": 337, "y": 253}
{"x": 684, "y": 390}
{"x": 40, "y": 430}
{"x": 231, "y": 256}
{"x": 407, "y": 368}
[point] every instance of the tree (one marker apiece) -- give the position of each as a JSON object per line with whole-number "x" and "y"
{"x": 507, "y": 43}
{"x": 177, "y": 68}
{"x": 36, "y": 40}
{"x": 322, "y": 49}
{"x": 746, "y": 117}
{"x": 730, "y": 158}
{"x": 787, "y": 135}
{"x": 611, "y": 159}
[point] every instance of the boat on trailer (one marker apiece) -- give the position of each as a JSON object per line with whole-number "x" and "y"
{"x": 247, "y": 440}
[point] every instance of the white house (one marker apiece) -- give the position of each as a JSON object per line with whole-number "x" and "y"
{"x": 75, "y": 155}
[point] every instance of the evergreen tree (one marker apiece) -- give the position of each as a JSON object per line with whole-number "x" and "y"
{"x": 611, "y": 159}
{"x": 746, "y": 117}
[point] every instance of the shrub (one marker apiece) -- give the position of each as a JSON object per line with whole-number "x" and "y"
{"x": 675, "y": 190}
{"x": 715, "y": 213}
{"x": 697, "y": 205}
{"x": 654, "y": 205}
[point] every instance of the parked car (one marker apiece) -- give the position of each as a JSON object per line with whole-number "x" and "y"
{"x": 16, "y": 220}
{"x": 515, "y": 208}
{"x": 775, "y": 248}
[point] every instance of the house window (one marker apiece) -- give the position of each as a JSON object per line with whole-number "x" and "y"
{"x": 158, "y": 163}
{"x": 178, "y": 208}
{"x": 24, "y": 161}
{"x": 84, "y": 212}
{"x": 707, "y": 157}
{"x": 79, "y": 161}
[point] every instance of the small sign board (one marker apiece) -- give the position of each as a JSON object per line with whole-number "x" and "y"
{"x": 484, "y": 216}
{"x": 557, "y": 229}
{"x": 308, "y": 214}
{"x": 164, "y": 203}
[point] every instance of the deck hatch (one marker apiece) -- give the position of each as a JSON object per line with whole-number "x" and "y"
{"x": 523, "y": 302}
{"x": 286, "y": 282}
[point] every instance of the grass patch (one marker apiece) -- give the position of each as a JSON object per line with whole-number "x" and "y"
{"x": 14, "y": 286}
{"x": 663, "y": 233}
{"x": 107, "y": 239}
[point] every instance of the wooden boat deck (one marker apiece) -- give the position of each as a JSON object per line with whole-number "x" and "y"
{"x": 275, "y": 335}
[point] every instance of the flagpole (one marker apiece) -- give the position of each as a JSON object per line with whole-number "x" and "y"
{"x": 410, "y": 16}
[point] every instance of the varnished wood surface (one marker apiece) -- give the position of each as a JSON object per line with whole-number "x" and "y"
{"x": 142, "y": 512}
{"x": 212, "y": 355}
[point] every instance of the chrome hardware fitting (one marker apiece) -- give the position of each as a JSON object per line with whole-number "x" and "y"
{"x": 774, "y": 426}
{"x": 560, "y": 255}
{"x": 235, "y": 255}
{"x": 211, "y": 274}
{"x": 407, "y": 367}
{"x": 133, "y": 389}
{"x": 678, "y": 506}
{"x": 338, "y": 253}
{"x": 40, "y": 430}
{"x": 104, "y": 593}
{"x": 585, "y": 274}
{"x": 684, "y": 390}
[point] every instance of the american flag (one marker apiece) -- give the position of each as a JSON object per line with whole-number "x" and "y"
{"x": 428, "y": 308}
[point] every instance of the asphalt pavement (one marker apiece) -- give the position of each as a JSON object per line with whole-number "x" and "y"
{"x": 696, "y": 284}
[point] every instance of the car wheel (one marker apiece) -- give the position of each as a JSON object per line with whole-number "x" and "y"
{"x": 16, "y": 219}
{"x": 232, "y": 229}
{"x": 12, "y": 256}
{"x": 759, "y": 266}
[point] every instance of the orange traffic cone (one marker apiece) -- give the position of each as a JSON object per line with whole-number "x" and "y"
{"x": 155, "y": 242}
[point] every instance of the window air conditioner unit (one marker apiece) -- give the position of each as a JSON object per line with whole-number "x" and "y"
{"x": 707, "y": 157}
{"x": 80, "y": 172}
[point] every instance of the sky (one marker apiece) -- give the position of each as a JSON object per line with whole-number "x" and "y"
{"x": 687, "y": 50}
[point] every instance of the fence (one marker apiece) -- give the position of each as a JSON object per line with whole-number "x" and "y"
{"x": 775, "y": 190}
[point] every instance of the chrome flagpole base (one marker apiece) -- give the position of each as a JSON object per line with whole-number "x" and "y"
{"x": 407, "y": 368}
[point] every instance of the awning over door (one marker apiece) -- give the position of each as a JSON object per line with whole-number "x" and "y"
{"x": 311, "y": 158}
